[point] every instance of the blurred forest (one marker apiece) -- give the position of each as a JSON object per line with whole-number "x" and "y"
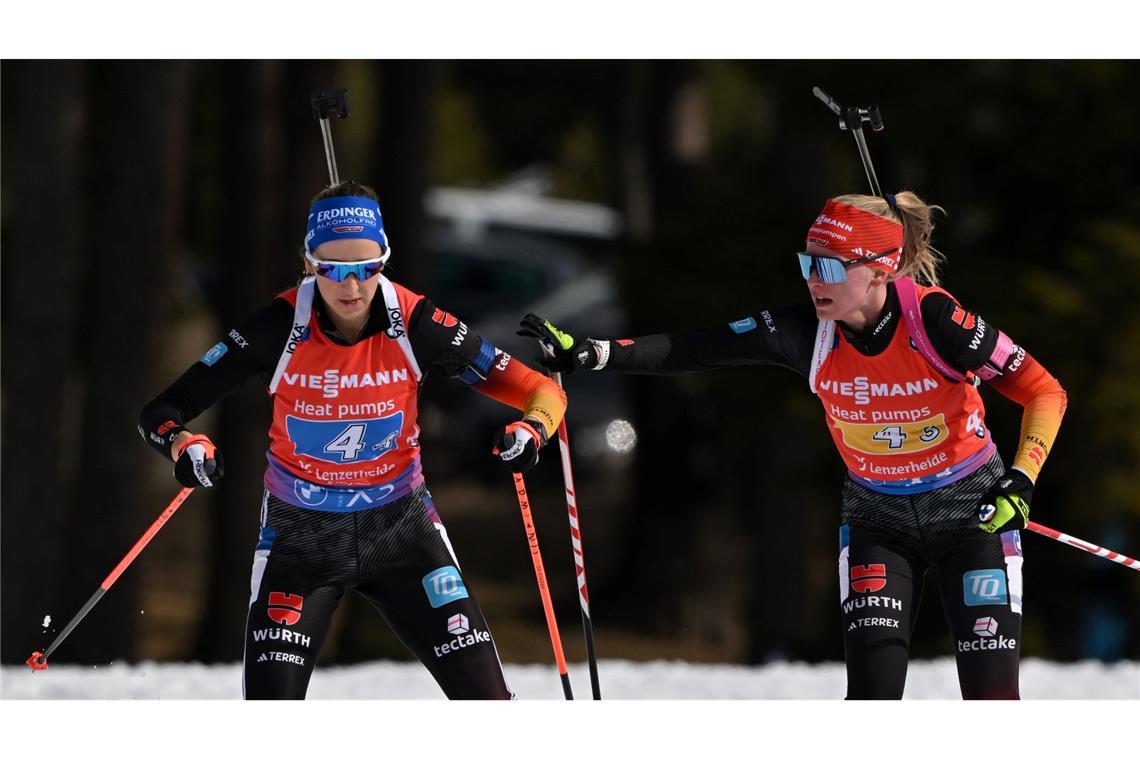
{"x": 148, "y": 206}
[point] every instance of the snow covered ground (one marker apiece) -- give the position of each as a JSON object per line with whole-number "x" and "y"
{"x": 654, "y": 710}
{"x": 620, "y": 679}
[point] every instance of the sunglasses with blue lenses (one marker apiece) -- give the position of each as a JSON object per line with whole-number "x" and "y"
{"x": 831, "y": 271}
{"x": 338, "y": 271}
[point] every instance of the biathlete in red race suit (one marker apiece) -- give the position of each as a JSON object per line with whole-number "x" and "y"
{"x": 895, "y": 366}
{"x": 345, "y": 506}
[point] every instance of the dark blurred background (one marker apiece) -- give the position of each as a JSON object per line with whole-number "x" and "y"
{"x": 148, "y": 206}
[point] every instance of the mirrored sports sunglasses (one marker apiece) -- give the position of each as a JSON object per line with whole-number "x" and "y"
{"x": 338, "y": 271}
{"x": 831, "y": 271}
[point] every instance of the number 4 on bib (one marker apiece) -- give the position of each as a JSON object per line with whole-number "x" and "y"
{"x": 348, "y": 444}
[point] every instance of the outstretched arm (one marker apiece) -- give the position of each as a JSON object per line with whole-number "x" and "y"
{"x": 781, "y": 337}
{"x": 445, "y": 342}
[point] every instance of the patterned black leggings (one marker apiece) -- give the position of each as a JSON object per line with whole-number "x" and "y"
{"x": 887, "y": 546}
{"x": 398, "y": 558}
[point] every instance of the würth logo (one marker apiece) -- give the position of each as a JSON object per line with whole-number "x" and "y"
{"x": 284, "y": 609}
{"x": 962, "y": 317}
{"x": 868, "y": 578}
{"x": 439, "y": 316}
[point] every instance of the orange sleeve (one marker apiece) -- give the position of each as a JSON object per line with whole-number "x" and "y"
{"x": 1045, "y": 401}
{"x": 538, "y": 397}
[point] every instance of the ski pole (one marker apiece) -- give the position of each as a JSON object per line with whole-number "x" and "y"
{"x": 38, "y": 660}
{"x": 543, "y": 589}
{"x": 852, "y": 120}
{"x": 1076, "y": 543}
{"x": 326, "y": 104}
{"x": 576, "y": 538}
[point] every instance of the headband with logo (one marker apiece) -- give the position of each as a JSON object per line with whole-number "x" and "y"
{"x": 345, "y": 216}
{"x": 846, "y": 232}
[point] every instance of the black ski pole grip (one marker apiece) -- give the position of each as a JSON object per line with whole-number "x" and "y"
{"x": 824, "y": 98}
{"x": 330, "y": 103}
{"x": 875, "y": 118}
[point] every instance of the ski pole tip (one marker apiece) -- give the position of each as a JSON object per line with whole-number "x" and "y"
{"x": 37, "y": 661}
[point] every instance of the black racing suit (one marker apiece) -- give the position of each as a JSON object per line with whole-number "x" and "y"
{"x": 887, "y": 542}
{"x": 397, "y": 556}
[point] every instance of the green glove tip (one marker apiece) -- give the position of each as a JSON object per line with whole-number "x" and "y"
{"x": 565, "y": 341}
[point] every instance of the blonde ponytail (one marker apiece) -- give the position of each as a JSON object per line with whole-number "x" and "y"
{"x": 920, "y": 260}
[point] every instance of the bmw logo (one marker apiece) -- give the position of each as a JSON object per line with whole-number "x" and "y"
{"x": 309, "y": 493}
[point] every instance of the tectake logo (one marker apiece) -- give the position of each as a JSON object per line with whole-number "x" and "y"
{"x": 467, "y": 637}
{"x": 985, "y": 626}
{"x": 458, "y": 624}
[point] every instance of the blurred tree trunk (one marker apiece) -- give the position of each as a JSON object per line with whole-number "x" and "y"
{"x": 258, "y": 254}
{"x": 136, "y": 163}
{"x": 659, "y": 566}
{"x": 401, "y": 171}
{"x": 41, "y": 273}
{"x": 272, "y": 164}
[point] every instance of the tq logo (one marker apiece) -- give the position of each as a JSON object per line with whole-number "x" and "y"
{"x": 284, "y": 609}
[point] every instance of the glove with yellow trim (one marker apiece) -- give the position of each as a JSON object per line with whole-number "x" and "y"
{"x": 1006, "y": 505}
{"x": 569, "y": 355}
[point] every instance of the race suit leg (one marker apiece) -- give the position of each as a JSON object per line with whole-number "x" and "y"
{"x": 880, "y": 585}
{"x": 981, "y": 588}
{"x": 409, "y": 573}
{"x": 300, "y": 568}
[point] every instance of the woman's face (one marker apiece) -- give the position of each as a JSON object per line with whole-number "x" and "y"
{"x": 349, "y": 300}
{"x": 848, "y": 301}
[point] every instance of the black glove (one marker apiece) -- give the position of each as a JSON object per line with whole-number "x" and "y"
{"x": 518, "y": 445}
{"x": 198, "y": 463}
{"x": 568, "y": 354}
{"x": 1006, "y": 505}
